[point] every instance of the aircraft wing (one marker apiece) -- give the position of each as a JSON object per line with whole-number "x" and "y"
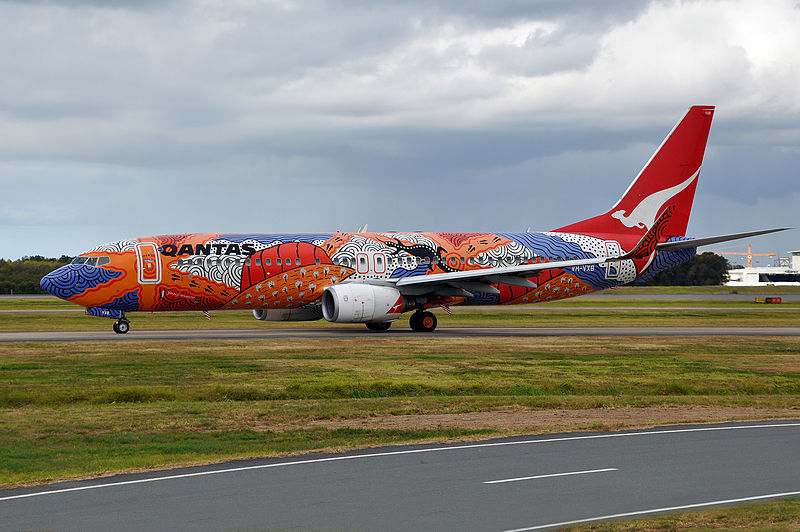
{"x": 697, "y": 242}
{"x": 455, "y": 284}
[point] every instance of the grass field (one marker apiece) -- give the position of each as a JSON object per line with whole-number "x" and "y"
{"x": 774, "y": 516}
{"x": 71, "y": 410}
{"x": 85, "y": 409}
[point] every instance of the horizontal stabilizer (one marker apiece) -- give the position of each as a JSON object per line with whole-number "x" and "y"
{"x": 697, "y": 242}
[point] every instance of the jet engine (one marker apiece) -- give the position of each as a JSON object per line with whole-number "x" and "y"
{"x": 288, "y": 314}
{"x": 360, "y": 303}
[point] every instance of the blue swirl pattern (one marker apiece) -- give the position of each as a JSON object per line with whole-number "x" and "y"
{"x": 399, "y": 273}
{"x": 102, "y": 312}
{"x": 128, "y": 302}
{"x": 553, "y": 246}
{"x": 668, "y": 259}
{"x": 73, "y": 279}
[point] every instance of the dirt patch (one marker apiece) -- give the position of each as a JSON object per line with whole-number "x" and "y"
{"x": 551, "y": 420}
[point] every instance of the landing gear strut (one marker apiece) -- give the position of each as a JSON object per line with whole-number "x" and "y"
{"x": 422, "y": 321}
{"x": 121, "y": 326}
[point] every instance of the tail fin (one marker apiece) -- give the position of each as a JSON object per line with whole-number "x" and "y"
{"x": 668, "y": 179}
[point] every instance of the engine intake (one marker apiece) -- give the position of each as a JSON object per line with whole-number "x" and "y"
{"x": 360, "y": 303}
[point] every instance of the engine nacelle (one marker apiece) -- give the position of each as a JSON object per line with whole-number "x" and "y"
{"x": 288, "y": 314}
{"x": 360, "y": 303}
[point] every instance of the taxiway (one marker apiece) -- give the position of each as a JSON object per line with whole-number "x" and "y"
{"x": 510, "y": 484}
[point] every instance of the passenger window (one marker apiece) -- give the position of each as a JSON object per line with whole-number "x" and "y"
{"x": 258, "y": 262}
{"x": 288, "y": 262}
{"x": 297, "y": 261}
{"x": 463, "y": 260}
{"x": 471, "y": 261}
{"x": 268, "y": 262}
{"x": 247, "y": 262}
{"x": 317, "y": 262}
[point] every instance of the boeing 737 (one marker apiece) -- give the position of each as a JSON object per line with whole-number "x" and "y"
{"x": 373, "y": 278}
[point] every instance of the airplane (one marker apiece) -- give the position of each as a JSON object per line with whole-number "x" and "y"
{"x": 372, "y": 278}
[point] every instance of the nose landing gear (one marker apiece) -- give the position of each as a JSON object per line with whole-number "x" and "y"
{"x": 422, "y": 321}
{"x": 121, "y": 326}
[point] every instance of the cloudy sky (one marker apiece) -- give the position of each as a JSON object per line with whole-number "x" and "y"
{"x": 132, "y": 118}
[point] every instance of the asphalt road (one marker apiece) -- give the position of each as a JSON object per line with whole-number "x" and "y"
{"x": 400, "y": 332}
{"x": 524, "y": 483}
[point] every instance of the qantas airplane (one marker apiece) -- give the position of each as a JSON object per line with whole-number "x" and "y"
{"x": 373, "y": 278}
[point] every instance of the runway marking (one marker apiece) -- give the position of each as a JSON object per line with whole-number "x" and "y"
{"x": 552, "y": 475}
{"x": 397, "y": 453}
{"x": 659, "y": 510}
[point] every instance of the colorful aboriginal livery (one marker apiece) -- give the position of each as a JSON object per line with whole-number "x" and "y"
{"x": 373, "y": 277}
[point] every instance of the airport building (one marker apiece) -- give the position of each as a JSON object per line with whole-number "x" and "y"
{"x": 785, "y": 273}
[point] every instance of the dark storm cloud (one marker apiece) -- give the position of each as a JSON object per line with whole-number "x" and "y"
{"x": 307, "y": 116}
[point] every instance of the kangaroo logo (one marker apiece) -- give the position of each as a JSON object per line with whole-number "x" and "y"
{"x": 644, "y": 215}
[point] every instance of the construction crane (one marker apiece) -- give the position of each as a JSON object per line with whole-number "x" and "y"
{"x": 749, "y": 254}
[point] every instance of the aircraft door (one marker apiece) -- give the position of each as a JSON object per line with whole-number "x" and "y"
{"x": 612, "y": 268}
{"x": 148, "y": 265}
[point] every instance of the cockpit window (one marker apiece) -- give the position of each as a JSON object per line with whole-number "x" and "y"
{"x": 91, "y": 261}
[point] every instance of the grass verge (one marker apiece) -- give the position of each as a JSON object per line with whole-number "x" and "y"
{"x": 77, "y": 409}
{"x": 774, "y": 516}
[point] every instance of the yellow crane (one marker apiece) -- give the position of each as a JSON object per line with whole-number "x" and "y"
{"x": 749, "y": 254}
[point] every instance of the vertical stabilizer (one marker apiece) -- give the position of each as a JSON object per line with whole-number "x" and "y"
{"x": 668, "y": 179}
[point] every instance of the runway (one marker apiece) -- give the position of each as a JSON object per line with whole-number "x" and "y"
{"x": 522, "y": 483}
{"x": 400, "y": 332}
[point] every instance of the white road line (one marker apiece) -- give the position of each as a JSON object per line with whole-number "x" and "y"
{"x": 659, "y": 510}
{"x": 552, "y": 475}
{"x": 399, "y": 453}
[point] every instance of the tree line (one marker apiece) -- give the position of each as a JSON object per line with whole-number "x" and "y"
{"x": 22, "y": 276}
{"x": 705, "y": 269}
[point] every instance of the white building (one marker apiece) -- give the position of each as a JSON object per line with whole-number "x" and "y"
{"x": 767, "y": 275}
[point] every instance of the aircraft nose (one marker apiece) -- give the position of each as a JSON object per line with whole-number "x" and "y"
{"x": 56, "y": 282}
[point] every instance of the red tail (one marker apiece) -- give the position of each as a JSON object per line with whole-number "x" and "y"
{"x": 668, "y": 179}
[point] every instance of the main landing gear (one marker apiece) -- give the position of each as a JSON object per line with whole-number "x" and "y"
{"x": 121, "y": 326}
{"x": 422, "y": 321}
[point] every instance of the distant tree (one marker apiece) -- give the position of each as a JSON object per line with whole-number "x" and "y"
{"x": 22, "y": 276}
{"x": 705, "y": 269}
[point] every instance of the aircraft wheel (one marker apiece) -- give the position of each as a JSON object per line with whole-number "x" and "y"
{"x": 121, "y": 327}
{"x": 379, "y": 325}
{"x": 423, "y": 321}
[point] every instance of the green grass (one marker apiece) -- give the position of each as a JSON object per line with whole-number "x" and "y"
{"x": 774, "y": 516}
{"x": 89, "y": 408}
{"x": 80, "y": 454}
